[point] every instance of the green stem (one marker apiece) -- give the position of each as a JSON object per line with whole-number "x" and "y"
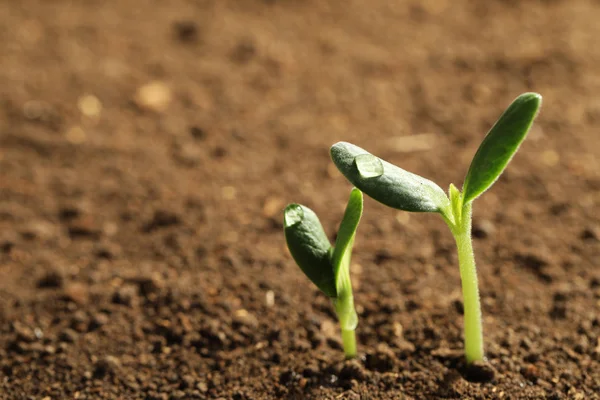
{"x": 468, "y": 275}
{"x": 349, "y": 342}
{"x": 344, "y": 308}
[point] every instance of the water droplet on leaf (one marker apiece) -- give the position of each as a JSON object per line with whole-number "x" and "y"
{"x": 293, "y": 215}
{"x": 368, "y": 166}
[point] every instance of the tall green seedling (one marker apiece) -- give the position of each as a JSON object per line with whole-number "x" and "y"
{"x": 403, "y": 190}
{"x": 327, "y": 266}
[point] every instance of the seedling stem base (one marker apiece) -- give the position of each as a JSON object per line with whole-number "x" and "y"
{"x": 473, "y": 330}
{"x": 349, "y": 343}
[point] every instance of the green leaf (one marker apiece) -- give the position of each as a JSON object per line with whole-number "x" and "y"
{"x": 340, "y": 260}
{"x": 309, "y": 246}
{"x": 345, "y": 239}
{"x": 387, "y": 183}
{"x": 500, "y": 144}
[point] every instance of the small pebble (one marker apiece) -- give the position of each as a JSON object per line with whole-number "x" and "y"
{"x": 89, "y": 105}
{"x": 272, "y": 206}
{"x": 242, "y": 317}
{"x": 188, "y": 154}
{"x": 154, "y": 96}
{"x": 98, "y": 320}
{"x": 398, "y": 329}
{"x": 40, "y": 230}
{"x": 76, "y": 135}
{"x": 270, "y": 298}
{"x": 483, "y": 229}
{"x": 76, "y": 293}
{"x": 202, "y": 387}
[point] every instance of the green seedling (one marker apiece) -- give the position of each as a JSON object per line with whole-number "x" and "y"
{"x": 327, "y": 266}
{"x": 403, "y": 190}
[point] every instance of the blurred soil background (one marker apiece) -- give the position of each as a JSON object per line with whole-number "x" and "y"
{"x": 147, "y": 149}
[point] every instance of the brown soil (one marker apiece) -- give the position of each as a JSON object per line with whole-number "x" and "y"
{"x": 141, "y": 246}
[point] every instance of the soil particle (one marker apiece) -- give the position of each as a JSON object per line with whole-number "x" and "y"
{"x": 84, "y": 228}
{"x": 75, "y": 292}
{"x": 382, "y": 359}
{"x": 108, "y": 251}
{"x": 243, "y": 52}
{"x": 107, "y": 365}
{"x": 51, "y": 280}
{"x": 68, "y": 335}
{"x": 162, "y": 219}
{"x": 535, "y": 263}
{"x": 79, "y": 321}
{"x": 483, "y": 229}
{"x": 125, "y": 295}
{"x": 98, "y": 320}
{"x": 186, "y": 31}
{"x": 590, "y": 234}
{"x": 353, "y": 370}
{"x": 39, "y": 230}
{"x": 479, "y": 371}
{"x": 155, "y": 96}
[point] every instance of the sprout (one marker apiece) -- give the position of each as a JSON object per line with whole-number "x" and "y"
{"x": 403, "y": 190}
{"x": 328, "y": 267}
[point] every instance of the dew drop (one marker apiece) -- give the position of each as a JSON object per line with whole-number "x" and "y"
{"x": 368, "y": 166}
{"x": 293, "y": 215}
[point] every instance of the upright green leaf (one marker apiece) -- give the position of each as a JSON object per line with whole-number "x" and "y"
{"x": 340, "y": 260}
{"x": 309, "y": 246}
{"x": 345, "y": 236}
{"x": 500, "y": 144}
{"x": 387, "y": 183}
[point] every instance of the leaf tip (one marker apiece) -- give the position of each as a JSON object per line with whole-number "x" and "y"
{"x": 500, "y": 144}
{"x": 337, "y": 150}
{"x": 532, "y": 98}
{"x": 292, "y": 215}
{"x": 356, "y": 192}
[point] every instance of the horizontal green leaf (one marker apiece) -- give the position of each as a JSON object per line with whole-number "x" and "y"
{"x": 500, "y": 144}
{"x": 309, "y": 246}
{"x": 345, "y": 239}
{"x": 386, "y": 182}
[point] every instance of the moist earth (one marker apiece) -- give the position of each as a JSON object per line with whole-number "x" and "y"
{"x": 147, "y": 150}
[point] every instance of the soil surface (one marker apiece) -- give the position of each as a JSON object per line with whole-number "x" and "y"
{"x": 148, "y": 148}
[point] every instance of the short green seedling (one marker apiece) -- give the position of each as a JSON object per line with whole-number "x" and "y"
{"x": 403, "y": 190}
{"x": 327, "y": 266}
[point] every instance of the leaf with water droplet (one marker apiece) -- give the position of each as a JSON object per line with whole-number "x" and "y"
{"x": 394, "y": 186}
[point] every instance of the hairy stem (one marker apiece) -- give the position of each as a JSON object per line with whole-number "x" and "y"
{"x": 468, "y": 274}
